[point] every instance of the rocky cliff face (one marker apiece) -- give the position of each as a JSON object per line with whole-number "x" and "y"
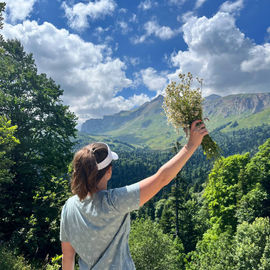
{"x": 237, "y": 104}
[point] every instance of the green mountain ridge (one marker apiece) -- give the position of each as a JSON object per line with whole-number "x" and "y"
{"x": 146, "y": 126}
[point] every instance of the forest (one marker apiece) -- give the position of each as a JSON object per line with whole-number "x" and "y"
{"x": 214, "y": 215}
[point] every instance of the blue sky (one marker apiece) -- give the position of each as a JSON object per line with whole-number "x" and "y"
{"x": 111, "y": 55}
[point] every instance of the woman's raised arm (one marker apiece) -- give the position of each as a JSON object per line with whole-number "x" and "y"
{"x": 150, "y": 186}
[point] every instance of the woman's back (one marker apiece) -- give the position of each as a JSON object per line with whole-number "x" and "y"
{"x": 98, "y": 227}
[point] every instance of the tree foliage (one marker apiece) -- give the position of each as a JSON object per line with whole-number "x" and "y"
{"x": 251, "y": 245}
{"x": 237, "y": 199}
{"x": 152, "y": 249}
{"x": 222, "y": 190}
{"x": 31, "y": 102}
{"x": 2, "y": 8}
{"x": 7, "y": 142}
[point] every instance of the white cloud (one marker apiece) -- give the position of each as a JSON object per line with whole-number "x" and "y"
{"x": 185, "y": 16}
{"x": 90, "y": 108}
{"x": 124, "y": 27}
{"x": 176, "y": 2}
{"x": 232, "y": 7}
{"x": 79, "y": 13}
{"x": 199, "y": 3}
{"x": 147, "y": 4}
{"x": 134, "y": 61}
{"x": 133, "y": 18}
{"x": 123, "y": 10}
{"x": 220, "y": 53}
{"x": 268, "y": 33}
{"x": 90, "y": 77}
{"x": 152, "y": 28}
{"x": 258, "y": 59}
{"x": 154, "y": 81}
{"x": 18, "y": 10}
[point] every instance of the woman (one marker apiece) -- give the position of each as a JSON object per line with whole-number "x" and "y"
{"x": 95, "y": 222}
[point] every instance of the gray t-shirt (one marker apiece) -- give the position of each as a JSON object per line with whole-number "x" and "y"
{"x": 98, "y": 227}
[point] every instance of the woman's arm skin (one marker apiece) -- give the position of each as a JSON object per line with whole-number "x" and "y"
{"x": 150, "y": 186}
{"x": 68, "y": 259}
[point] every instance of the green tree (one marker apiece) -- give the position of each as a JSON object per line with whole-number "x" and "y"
{"x": 222, "y": 191}
{"x": 152, "y": 249}
{"x": 10, "y": 261}
{"x": 7, "y": 142}
{"x": 2, "y": 8}
{"x": 248, "y": 248}
{"x": 213, "y": 252}
{"x": 45, "y": 126}
{"x": 258, "y": 171}
{"x": 167, "y": 219}
{"x": 251, "y": 205}
{"x": 252, "y": 245}
{"x": 42, "y": 234}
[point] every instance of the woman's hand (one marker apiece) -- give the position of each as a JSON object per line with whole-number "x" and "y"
{"x": 197, "y": 132}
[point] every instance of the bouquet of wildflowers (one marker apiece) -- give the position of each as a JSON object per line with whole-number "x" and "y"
{"x": 183, "y": 105}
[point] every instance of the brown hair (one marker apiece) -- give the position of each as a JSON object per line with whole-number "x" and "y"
{"x": 85, "y": 176}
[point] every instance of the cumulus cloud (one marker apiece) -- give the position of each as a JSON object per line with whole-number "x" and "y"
{"x": 258, "y": 59}
{"x": 90, "y": 77}
{"x": 154, "y": 81}
{"x": 232, "y": 7}
{"x": 18, "y": 10}
{"x": 220, "y": 53}
{"x": 152, "y": 28}
{"x": 78, "y": 14}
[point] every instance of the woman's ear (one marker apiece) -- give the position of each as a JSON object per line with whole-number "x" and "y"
{"x": 109, "y": 172}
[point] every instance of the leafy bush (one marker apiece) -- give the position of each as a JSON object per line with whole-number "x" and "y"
{"x": 9, "y": 261}
{"x": 151, "y": 249}
{"x": 252, "y": 245}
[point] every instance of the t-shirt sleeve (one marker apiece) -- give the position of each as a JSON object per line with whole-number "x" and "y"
{"x": 63, "y": 233}
{"x": 125, "y": 199}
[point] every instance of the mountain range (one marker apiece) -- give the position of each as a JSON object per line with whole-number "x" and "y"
{"x": 146, "y": 126}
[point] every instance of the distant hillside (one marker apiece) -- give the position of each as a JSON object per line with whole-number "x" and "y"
{"x": 116, "y": 121}
{"x": 146, "y": 126}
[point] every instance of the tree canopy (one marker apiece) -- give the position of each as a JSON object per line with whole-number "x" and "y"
{"x": 31, "y": 104}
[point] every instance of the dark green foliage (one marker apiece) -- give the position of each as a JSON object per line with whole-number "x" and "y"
{"x": 7, "y": 142}
{"x": 252, "y": 205}
{"x": 221, "y": 192}
{"x": 41, "y": 236}
{"x": 258, "y": 171}
{"x": 2, "y": 8}
{"x": 237, "y": 199}
{"x": 214, "y": 252}
{"x": 32, "y": 102}
{"x": 10, "y": 261}
{"x": 247, "y": 249}
{"x": 136, "y": 165}
{"x": 251, "y": 245}
{"x": 152, "y": 249}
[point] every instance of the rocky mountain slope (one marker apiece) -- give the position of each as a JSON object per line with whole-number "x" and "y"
{"x": 147, "y": 125}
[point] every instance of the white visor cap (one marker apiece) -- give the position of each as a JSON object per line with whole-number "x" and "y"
{"x": 111, "y": 156}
